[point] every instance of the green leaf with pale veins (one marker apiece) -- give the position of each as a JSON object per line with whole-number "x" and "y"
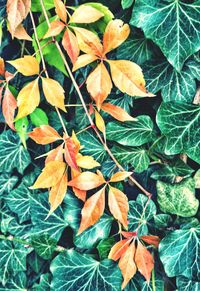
{"x": 134, "y": 133}
{"x": 13, "y": 154}
{"x": 178, "y": 198}
{"x": 44, "y": 245}
{"x": 7, "y": 183}
{"x": 183, "y": 283}
{"x": 44, "y": 284}
{"x": 180, "y": 124}
{"x": 73, "y": 271}
{"x": 180, "y": 252}
{"x": 173, "y": 25}
{"x": 15, "y": 283}
{"x": 72, "y": 210}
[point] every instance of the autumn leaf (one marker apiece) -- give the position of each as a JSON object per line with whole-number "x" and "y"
{"x": 119, "y": 249}
{"x": 50, "y": 176}
{"x": 70, "y": 44}
{"x": 128, "y": 78}
{"x": 144, "y": 261}
{"x": 27, "y": 65}
{"x": 1, "y": 93}
{"x": 84, "y": 60}
{"x": 21, "y": 33}
{"x": 151, "y": 240}
{"x": 117, "y": 112}
{"x": 2, "y": 67}
{"x": 118, "y": 205}
{"x": 55, "y": 155}
{"x": 115, "y": 34}
{"x": 28, "y": 99}
{"x": 120, "y": 176}
{"x": 60, "y": 10}
{"x": 87, "y": 181}
{"x": 57, "y": 193}
{"x": 17, "y": 11}
{"x": 127, "y": 264}
{"x": 129, "y": 234}
{"x": 86, "y": 162}
{"x": 9, "y": 105}
{"x": 88, "y": 42}
{"x": 92, "y": 210}
{"x": 44, "y": 134}
{"x": 100, "y": 124}
{"x": 70, "y": 153}
{"x": 54, "y": 93}
{"x": 55, "y": 28}
{"x": 86, "y": 14}
{"x": 99, "y": 84}
{"x": 81, "y": 194}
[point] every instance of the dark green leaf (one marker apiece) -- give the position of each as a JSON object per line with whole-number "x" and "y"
{"x": 44, "y": 245}
{"x": 7, "y": 183}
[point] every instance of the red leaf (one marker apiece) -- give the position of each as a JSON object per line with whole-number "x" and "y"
{"x": 151, "y": 240}
{"x": 70, "y": 153}
{"x": 9, "y": 105}
{"x": 70, "y": 44}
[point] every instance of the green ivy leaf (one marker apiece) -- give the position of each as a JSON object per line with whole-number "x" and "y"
{"x": 180, "y": 124}
{"x": 137, "y": 157}
{"x": 38, "y": 117}
{"x": 72, "y": 210}
{"x": 134, "y": 133}
{"x": 44, "y": 245}
{"x": 179, "y": 198}
{"x": 73, "y": 271}
{"x": 44, "y": 284}
{"x": 197, "y": 179}
{"x": 14, "y": 283}
{"x": 184, "y": 283}
{"x": 7, "y": 183}
{"x": 180, "y": 252}
{"x": 154, "y": 17}
{"x": 105, "y": 246}
{"x": 126, "y": 3}
{"x": 13, "y": 154}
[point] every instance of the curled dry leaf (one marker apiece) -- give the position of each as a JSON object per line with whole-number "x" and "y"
{"x": 86, "y": 162}
{"x": 92, "y": 210}
{"x": 119, "y": 249}
{"x": 118, "y": 205}
{"x": 54, "y": 93}
{"x": 70, "y": 44}
{"x": 44, "y": 134}
{"x": 50, "y": 176}
{"x": 87, "y": 181}
{"x": 27, "y": 65}
{"x": 28, "y": 99}
{"x": 86, "y": 14}
{"x": 9, "y": 105}
{"x": 55, "y": 28}
{"x": 99, "y": 84}
{"x": 117, "y": 112}
{"x": 60, "y": 10}
{"x": 84, "y": 60}
{"x": 115, "y": 34}
{"x": 120, "y": 176}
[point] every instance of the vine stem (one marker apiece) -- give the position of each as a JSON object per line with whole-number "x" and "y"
{"x": 85, "y": 107}
{"x": 44, "y": 67}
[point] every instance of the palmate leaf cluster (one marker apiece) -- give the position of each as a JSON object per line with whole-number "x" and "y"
{"x": 162, "y": 148}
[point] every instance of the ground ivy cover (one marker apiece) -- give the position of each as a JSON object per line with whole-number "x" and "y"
{"x": 99, "y": 145}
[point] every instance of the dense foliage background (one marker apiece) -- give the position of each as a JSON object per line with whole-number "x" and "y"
{"x": 161, "y": 148}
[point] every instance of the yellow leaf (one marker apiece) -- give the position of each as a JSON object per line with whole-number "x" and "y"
{"x": 60, "y": 10}
{"x": 50, "y": 176}
{"x": 99, "y": 84}
{"x": 120, "y": 176}
{"x": 54, "y": 93}
{"x": 86, "y": 14}
{"x": 70, "y": 44}
{"x": 100, "y": 124}
{"x": 115, "y": 34}
{"x": 28, "y": 99}
{"x": 87, "y": 181}
{"x": 57, "y": 193}
{"x": 128, "y": 78}
{"x": 20, "y": 33}
{"x": 84, "y": 60}
{"x": 27, "y": 65}
{"x": 117, "y": 112}
{"x": 55, "y": 28}
{"x": 86, "y": 162}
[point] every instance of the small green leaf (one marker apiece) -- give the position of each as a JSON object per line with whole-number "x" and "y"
{"x": 44, "y": 245}
{"x": 126, "y": 3}
{"x": 36, "y": 6}
{"x": 38, "y": 117}
{"x": 44, "y": 284}
{"x": 104, "y": 247}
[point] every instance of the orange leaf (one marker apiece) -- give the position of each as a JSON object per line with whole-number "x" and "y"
{"x": 87, "y": 181}
{"x": 27, "y": 65}
{"x": 54, "y": 93}
{"x": 9, "y": 105}
{"x": 17, "y": 11}
{"x": 144, "y": 261}
{"x": 1, "y": 93}
{"x": 50, "y": 176}
{"x": 55, "y": 28}
{"x": 44, "y": 134}
{"x": 55, "y": 155}
{"x": 99, "y": 84}
{"x": 81, "y": 194}
{"x": 128, "y": 234}
{"x": 60, "y": 10}
{"x": 2, "y": 67}
{"x": 100, "y": 124}
{"x": 20, "y": 33}
{"x": 70, "y": 44}
{"x": 76, "y": 141}
{"x": 70, "y": 153}
{"x": 128, "y": 78}
{"x": 88, "y": 42}
{"x": 127, "y": 264}
{"x": 86, "y": 162}
{"x": 118, "y": 205}
{"x": 117, "y": 112}
{"x": 92, "y": 210}
{"x": 120, "y": 176}
{"x": 86, "y": 14}
{"x": 119, "y": 249}
{"x": 151, "y": 240}
{"x": 115, "y": 34}
{"x": 57, "y": 193}
{"x": 84, "y": 60}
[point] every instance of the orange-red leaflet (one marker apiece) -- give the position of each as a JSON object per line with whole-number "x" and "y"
{"x": 117, "y": 112}
{"x": 55, "y": 154}
{"x": 70, "y": 153}
{"x": 9, "y": 106}
{"x": 120, "y": 176}
{"x": 151, "y": 239}
{"x": 44, "y": 134}
{"x": 87, "y": 181}
{"x": 119, "y": 249}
